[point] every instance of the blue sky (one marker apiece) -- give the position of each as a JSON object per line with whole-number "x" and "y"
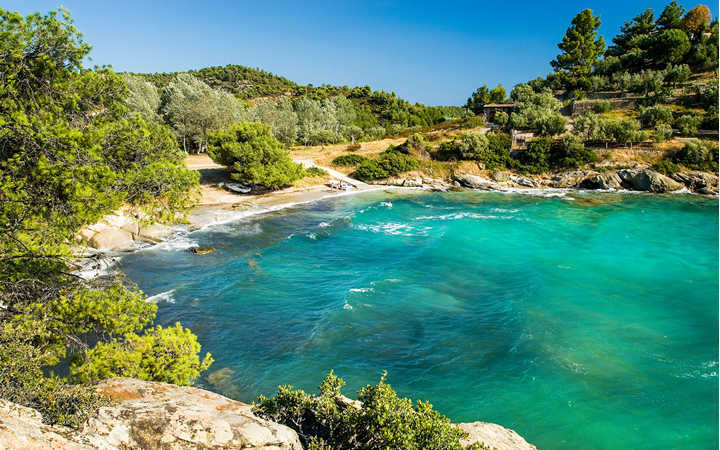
{"x": 433, "y": 52}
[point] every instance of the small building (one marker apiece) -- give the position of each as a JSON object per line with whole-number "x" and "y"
{"x": 489, "y": 109}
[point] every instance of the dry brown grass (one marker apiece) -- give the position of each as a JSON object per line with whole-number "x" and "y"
{"x": 324, "y": 154}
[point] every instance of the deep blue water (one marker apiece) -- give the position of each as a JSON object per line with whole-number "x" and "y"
{"x": 584, "y": 321}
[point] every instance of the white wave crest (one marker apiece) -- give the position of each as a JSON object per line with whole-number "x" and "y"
{"x": 166, "y": 296}
{"x": 367, "y": 289}
{"x": 177, "y": 242}
{"x": 396, "y": 229}
{"x": 463, "y": 215}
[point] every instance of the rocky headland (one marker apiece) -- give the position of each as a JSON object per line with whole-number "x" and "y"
{"x": 151, "y": 415}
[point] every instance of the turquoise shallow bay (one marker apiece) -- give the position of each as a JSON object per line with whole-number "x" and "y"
{"x": 584, "y": 321}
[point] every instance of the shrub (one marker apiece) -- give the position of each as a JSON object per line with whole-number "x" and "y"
{"x": 162, "y": 354}
{"x": 698, "y": 155}
{"x": 382, "y": 420}
{"x": 570, "y": 152}
{"x": 395, "y": 162}
{"x": 666, "y": 167}
{"x": 315, "y": 171}
{"x": 348, "y": 160}
{"x": 662, "y": 132}
{"x": 390, "y": 163}
{"x": 472, "y": 122}
{"x": 549, "y": 124}
{"x": 688, "y": 124}
{"x": 370, "y": 170}
{"x": 353, "y": 147}
{"x": 320, "y": 137}
{"x": 602, "y": 106}
{"x": 654, "y": 115}
{"x": 501, "y": 118}
{"x": 253, "y": 155}
{"x": 535, "y": 159}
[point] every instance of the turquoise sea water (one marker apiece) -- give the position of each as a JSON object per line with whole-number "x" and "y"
{"x": 585, "y": 321}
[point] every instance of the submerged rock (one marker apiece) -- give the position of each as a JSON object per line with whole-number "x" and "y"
{"x": 201, "y": 250}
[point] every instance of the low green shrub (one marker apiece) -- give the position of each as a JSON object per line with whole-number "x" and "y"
{"x": 348, "y": 160}
{"x": 688, "y": 124}
{"x": 570, "y": 152}
{"x": 390, "y": 163}
{"x": 602, "y": 106}
{"x": 536, "y": 158}
{"x": 653, "y": 115}
{"x": 698, "y": 155}
{"x": 315, "y": 172}
{"x": 666, "y": 167}
{"x": 662, "y": 132}
{"x": 353, "y": 147}
{"x": 381, "y": 420}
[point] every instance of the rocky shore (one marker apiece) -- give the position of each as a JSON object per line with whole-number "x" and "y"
{"x": 644, "y": 180}
{"x": 158, "y": 415}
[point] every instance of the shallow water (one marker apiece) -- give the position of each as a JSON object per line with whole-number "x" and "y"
{"x": 584, "y": 321}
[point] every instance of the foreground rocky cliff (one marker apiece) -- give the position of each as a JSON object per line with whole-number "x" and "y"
{"x": 150, "y": 415}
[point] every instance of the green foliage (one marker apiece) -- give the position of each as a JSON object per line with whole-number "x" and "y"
{"x": 570, "y": 152}
{"x": 536, "y": 158}
{"x": 315, "y": 172}
{"x": 143, "y": 97}
{"x": 602, "y": 106}
{"x": 581, "y": 47}
{"x": 75, "y": 144}
{"x": 348, "y": 160}
{"x": 162, "y": 354}
{"x": 654, "y": 115}
{"x": 698, "y": 155}
{"x": 538, "y": 111}
{"x": 662, "y": 132}
{"x": 381, "y": 420}
{"x": 193, "y": 109}
{"x": 390, "y": 163}
{"x": 22, "y": 380}
{"x": 253, "y": 155}
{"x": 666, "y": 167}
{"x": 483, "y": 95}
{"x": 501, "y": 118}
{"x": 688, "y": 124}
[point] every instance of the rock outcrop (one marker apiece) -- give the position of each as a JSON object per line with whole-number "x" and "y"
{"x": 475, "y": 182}
{"x": 122, "y": 231}
{"x": 493, "y": 436}
{"x": 608, "y": 180}
{"x": 700, "y": 182}
{"x": 159, "y": 415}
{"x": 647, "y": 180}
{"x": 150, "y": 415}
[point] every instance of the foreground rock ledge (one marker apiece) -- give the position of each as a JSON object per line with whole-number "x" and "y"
{"x": 150, "y": 415}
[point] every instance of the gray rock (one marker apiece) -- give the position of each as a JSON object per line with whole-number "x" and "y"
{"x": 523, "y": 181}
{"x": 113, "y": 239}
{"x": 569, "y": 179}
{"x": 647, "y": 180}
{"x": 609, "y": 180}
{"x": 493, "y": 436}
{"x": 476, "y": 182}
{"x": 697, "y": 181}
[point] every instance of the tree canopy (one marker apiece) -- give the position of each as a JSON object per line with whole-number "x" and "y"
{"x": 582, "y": 47}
